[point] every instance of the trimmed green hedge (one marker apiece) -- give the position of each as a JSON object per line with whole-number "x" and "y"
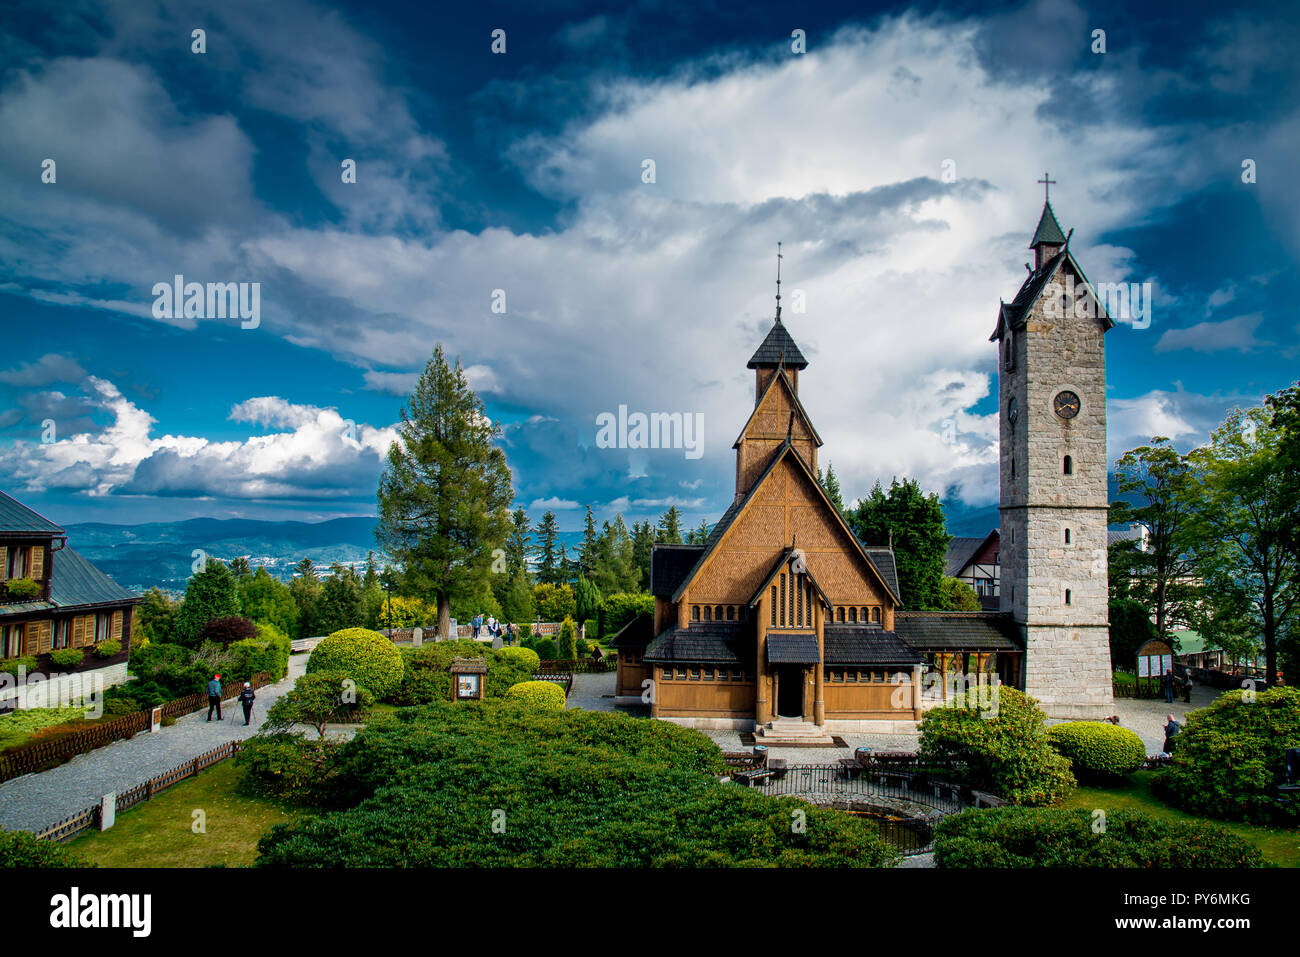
{"x": 539, "y": 694}
{"x": 1006, "y": 752}
{"x": 500, "y": 784}
{"x": 1051, "y": 837}
{"x": 367, "y": 657}
{"x": 526, "y": 658}
{"x": 1098, "y": 750}
{"x": 426, "y": 676}
{"x": 1231, "y": 757}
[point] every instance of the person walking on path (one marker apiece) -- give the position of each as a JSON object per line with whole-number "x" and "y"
{"x": 246, "y": 698}
{"x": 1167, "y": 679}
{"x": 477, "y": 622}
{"x": 1172, "y": 728}
{"x": 214, "y": 696}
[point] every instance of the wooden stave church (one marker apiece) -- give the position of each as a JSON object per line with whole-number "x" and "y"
{"x": 783, "y": 617}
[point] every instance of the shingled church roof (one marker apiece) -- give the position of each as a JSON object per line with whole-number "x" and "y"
{"x": 1049, "y": 230}
{"x": 778, "y": 349}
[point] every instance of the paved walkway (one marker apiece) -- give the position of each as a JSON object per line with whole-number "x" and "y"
{"x": 593, "y": 692}
{"x": 35, "y": 801}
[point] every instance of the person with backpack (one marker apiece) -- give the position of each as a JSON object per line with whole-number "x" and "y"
{"x": 246, "y": 698}
{"x": 214, "y": 696}
{"x": 1172, "y": 728}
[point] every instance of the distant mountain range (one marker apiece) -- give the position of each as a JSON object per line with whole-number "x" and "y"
{"x": 161, "y": 554}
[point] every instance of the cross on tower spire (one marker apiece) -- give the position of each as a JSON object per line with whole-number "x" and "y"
{"x": 778, "y": 282}
{"x": 1048, "y": 183}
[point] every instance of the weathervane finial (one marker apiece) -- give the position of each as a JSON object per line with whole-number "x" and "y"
{"x": 778, "y": 282}
{"x": 1048, "y": 183}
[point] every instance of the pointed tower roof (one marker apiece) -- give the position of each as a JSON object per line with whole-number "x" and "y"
{"x": 778, "y": 349}
{"x": 1049, "y": 230}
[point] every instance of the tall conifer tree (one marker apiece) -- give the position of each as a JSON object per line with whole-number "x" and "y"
{"x": 445, "y": 494}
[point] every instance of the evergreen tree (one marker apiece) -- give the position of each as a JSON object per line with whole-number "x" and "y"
{"x": 586, "y": 598}
{"x": 372, "y": 592}
{"x": 699, "y": 535}
{"x": 240, "y": 568}
{"x": 517, "y": 543}
{"x": 914, "y": 521}
{"x": 548, "y": 554}
{"x": 268, "y": 600}
{"x": 445, "y": 494}
{"x": 342, "y": 601}
{"x": 587, "y": 552}
{"x": 517, "y": 599}
{"x": 831, "y": 486}
{"x": 157, "y": 616}
{"x": 643, "y": 539}
{"x": 210, "y": 593}
{"x": 306, "y": 589}
{"x": 670, "y": 527}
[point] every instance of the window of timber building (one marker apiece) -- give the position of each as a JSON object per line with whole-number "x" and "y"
{"x": 853, "y": 615}
{"x": 102, "y": 621}
{"x": 20, "y": 561}
{"x": 708, "y": 613}
{"x": 718, "y": 613}
{"x": 773, "y": 603}
{"x": 875, "y": 613}
{"x": 60, "y": 633}
{"x": 731, "y": 613}
{"x": 695, "y": 674}
{"x": 695, "y": 613}
{"x": 783, "y": 601}
{"x": 706, "y": 674}
{"x": 13, "y": 640}
{"x": 666, "y": 674}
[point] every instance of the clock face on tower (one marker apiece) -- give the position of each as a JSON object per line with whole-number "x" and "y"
{"x": 1066, "y": 404}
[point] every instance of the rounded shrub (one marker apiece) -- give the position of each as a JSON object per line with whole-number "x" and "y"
{"x": 1098, "y": 749}
{"x": 67, "y": 657}
{"x": 11, "y": 665}
{"x": 108, "y": 648}
{"x": 1231, "y": 756}
{"x": 367, "y": 657}
{"x": 1057, "y": 838}
{"x": 20, "y": 849}
{"x": 228, "y": 630}
{"x": 996, "y": 740}
{"x": 526, "y": 658}
{"x": 539, "y": 694}
{"x": 22, "y": 589}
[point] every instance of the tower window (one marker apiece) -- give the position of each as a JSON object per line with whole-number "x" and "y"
{"x": 1067, "y": 596}
{"x": 1067, "y": 536}
{"x": 1013, "y": 466}
{"x": 1068, "y": 466}
{"x": 773, "y": 604}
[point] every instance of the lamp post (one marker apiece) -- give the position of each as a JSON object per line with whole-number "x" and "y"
{"x": 386, "y": 583}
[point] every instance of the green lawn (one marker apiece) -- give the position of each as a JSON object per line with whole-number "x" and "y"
{"x": 1279, "y": 845}
{"x": 158, "y": 833}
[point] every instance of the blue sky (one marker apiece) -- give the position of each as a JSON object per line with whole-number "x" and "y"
{"x": 523, "y": 172}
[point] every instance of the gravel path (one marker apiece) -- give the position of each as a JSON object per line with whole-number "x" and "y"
{"x": 1147, "y": 717}
{"x": 589, "y": 692}
{"x": 35, "y": 801}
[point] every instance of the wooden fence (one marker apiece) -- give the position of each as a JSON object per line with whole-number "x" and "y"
{"x": 42, "y": 755}
{"x": 90, "y": 817}
{"x": 580, "y": 666}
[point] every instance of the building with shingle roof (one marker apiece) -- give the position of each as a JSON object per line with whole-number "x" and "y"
{"x": 783, "y": 621}
{"x": 53, "y": 598}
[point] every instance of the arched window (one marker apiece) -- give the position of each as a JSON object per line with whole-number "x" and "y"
{"x": 708, "y": 613}
{"x": 1067, "y": 596}
{"x": 1009, "y": 350}
{"x": 717, "y": 613}
{"x": 783, "y": 610}
{"x": 864, "y": 617}
{"x": 695, "y": 613}
{"x": 773, "y": 604}
{"x": 1068, "y": 466}
{"x": 853, "y": 615}
{"x": 1067, "y": 536}
{"x": 731, "y": 613}
{"x": 875, "y": 613}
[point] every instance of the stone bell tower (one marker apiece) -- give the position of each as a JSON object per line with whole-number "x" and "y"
{"x": 1053, "y": 472}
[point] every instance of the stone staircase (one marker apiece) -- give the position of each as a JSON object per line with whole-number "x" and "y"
{"x": 792, "y": 733}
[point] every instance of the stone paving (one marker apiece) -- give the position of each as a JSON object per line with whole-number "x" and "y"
{"x": 34, "y": 801}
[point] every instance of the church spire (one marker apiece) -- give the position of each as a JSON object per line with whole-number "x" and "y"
{"x": 778, "y": 281}
{"x": 1048, "y": 237}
